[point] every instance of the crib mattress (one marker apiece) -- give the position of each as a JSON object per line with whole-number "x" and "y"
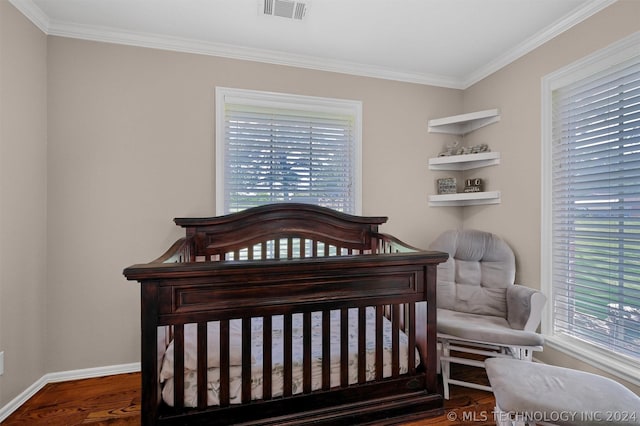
{"x": 235, "y": 369}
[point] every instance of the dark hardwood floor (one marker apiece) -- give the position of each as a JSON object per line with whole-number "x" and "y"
{"x": 115, "y": 400}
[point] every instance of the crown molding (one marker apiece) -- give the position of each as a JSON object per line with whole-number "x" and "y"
{"x": 537, "y": 40}
{"x": 177, "y": 44}
{"x": 33, "y": 13}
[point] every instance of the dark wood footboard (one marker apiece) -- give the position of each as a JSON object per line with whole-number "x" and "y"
{"x": 277, "y": 263}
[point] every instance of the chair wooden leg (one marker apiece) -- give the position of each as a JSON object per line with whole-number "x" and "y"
{"x": 445, "y": 367}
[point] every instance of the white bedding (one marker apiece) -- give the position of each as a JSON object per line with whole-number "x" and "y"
{"x": 213, "y": 362}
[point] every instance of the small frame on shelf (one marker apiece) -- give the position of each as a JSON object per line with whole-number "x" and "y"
{"x": 447, "y": 185}
{"x": 473, "y": 185}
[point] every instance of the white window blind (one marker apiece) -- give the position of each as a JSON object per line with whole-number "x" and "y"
{"x": 281, "y": 148}
{"x": 596, "y": 209}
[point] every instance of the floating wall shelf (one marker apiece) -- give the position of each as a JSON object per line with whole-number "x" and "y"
{"x": 465, "y": 162}
{"x": 461, "y": 125}
{"x": 464, "y": 123}
{"x": 465, "y": 199}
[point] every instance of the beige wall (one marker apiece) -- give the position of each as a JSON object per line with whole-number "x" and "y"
{"x": 23, "y": 197}
{"x": 131, "y": 146}
{"x": 516, "y": 90}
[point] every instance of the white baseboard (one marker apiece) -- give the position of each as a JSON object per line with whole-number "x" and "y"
{"x": 63, "y": 376}
{"x": 88, "y": 373}
{"x": 17, "y": 402}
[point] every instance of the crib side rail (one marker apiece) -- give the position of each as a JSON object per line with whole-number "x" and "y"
{"x": 387, "y": 243}
{"x": 179, "y": 252}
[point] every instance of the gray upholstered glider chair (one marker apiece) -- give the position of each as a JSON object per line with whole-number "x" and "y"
{"x": 480, "y": 310}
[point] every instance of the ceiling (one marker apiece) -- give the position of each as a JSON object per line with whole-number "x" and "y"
{"x": 448, "y": 43}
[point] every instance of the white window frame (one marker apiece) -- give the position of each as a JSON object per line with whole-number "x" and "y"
{"x": 286, "y": 101}
{"x": 624, "y": 50}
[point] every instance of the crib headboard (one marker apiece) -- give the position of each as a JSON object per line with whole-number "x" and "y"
{"x": 275, "y": 231}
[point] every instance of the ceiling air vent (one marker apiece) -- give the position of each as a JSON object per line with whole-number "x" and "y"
{"x": 285, "y": 8}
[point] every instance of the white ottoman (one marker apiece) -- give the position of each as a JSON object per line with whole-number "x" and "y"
{"x": 529, "y": 392}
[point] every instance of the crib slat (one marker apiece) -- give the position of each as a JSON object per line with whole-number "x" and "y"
{"x": 224, "y": 360}
{"x": 395, "y": 340}
{"x": 246, "y": 359}
{"x": 276, "y": 248}
{"x": 379, "y": 342}
{"x": 326, "y": 349}
{"x": 288, "y": 364}
{"x": 362, "y": 345}
{"x": 289, "y": 248}
{"x": 202, "y": 365}
{"x": 410, "y": 329}
{"x": 306, "y": 352}
{"x": 302, "y": 248}
{"x": 267, "y": 357}
{"x": 344, "y": 347}
{"x": 263, "y": 250}
{"x": 178, "y": 366}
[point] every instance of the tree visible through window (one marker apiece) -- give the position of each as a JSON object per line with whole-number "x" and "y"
{"x": 285, "y": 148}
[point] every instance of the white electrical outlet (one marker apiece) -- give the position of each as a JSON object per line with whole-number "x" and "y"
{"x": 1, "y": 363}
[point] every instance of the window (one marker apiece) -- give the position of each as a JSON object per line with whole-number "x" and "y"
{"x": 273, "y": 147}
{"x": 591, "y": 253}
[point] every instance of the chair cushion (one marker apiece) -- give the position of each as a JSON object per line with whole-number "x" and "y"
{"x": 560, "y": 395}
{"x": 484, "y": 328}
{"x": 480, "y": 268}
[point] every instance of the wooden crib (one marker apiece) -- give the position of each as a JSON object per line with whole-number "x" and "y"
{"x": 288, "y": 314}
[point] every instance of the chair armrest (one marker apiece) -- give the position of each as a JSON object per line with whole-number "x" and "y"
{"x": 524, "y": 307}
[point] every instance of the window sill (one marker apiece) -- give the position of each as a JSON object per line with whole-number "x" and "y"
{"x": 623, "y": 368}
